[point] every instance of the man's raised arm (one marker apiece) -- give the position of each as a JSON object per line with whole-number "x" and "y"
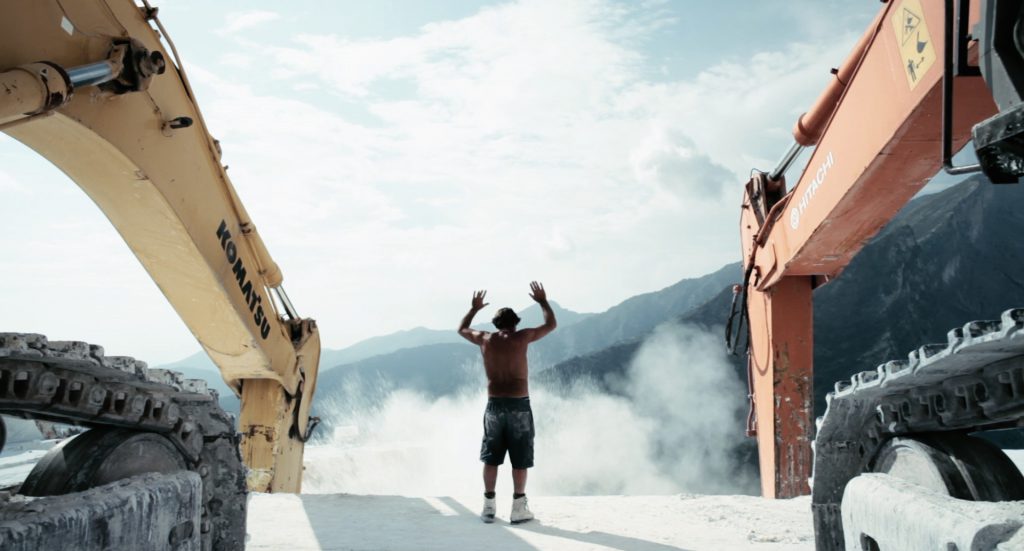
{"x": 538, "y": 294}
{"x": 472, "y": 335}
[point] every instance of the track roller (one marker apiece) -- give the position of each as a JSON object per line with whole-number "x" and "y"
{"x": 101, "y": 456}
{"x": 952, "y": 464}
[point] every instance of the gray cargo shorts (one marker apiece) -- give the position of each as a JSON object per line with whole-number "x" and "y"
{"x": 508, "y": 427}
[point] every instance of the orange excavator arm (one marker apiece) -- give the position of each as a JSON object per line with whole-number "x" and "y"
{"x": 877, "y": 136}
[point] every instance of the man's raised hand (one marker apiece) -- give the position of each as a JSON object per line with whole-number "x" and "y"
{"x": 478, "y": 300}
{"x": 475, "y": 337}
{"x": 537, "y": 292}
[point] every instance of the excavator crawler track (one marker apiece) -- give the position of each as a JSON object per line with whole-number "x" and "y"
{"x": 75, "y": 382}
{"x": 975, "y": 381}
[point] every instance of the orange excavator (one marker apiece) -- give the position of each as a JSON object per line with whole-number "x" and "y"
{"x": 96, "y": 87}
{"x": 925, "y": 78}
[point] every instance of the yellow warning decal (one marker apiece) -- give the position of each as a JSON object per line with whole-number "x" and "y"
{"x": 916, "y": 49}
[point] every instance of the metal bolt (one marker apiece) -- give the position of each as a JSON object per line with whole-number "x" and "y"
{"x": 97, "y": 395}
{"x": 981, "y": 392}
{"x": 48, "y": 384}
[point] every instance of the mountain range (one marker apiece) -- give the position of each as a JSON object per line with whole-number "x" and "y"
{"x": 434, "y": 361}
{"x": 941, "y": 262}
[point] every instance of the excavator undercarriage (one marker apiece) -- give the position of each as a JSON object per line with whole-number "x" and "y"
{"x": 925, "y": 406}
{"x": 141, "y": 421}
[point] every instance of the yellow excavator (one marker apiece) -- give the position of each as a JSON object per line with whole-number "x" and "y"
{"x": 96, "y": 87}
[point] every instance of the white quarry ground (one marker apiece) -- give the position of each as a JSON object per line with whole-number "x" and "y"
{"x": 627, "y": 523}
{"x": 338, "y": 521}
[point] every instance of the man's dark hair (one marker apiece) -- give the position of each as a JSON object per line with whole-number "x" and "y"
{"x": 505, "y": 318}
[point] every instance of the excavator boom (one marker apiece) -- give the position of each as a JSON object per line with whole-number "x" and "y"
{"x": 96, "y": 87}
{"x": 910, "y": 93}
{"x": 877, "y": 136}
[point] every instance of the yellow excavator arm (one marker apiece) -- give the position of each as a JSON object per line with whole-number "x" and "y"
{"x": 89, "y": 85}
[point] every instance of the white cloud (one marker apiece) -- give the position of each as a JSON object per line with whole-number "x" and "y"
{"x": 525, "y": 142}
{"x": 240, "y": 21}
{"x": 742, "y": 115}
{"x": 8, "y": 184}
{"x": 558, "y": 244}
{"x": 670, "y": 160}
{"x": 237, "y": 60}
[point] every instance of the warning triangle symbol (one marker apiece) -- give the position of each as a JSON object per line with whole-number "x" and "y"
{"x": 910, "y": 22}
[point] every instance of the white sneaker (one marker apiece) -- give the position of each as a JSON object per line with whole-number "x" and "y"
{"x": 489, "y": 509}
{"x": 520, "y": 511}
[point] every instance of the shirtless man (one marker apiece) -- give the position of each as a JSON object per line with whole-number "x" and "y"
{"x": 508, "y": 419}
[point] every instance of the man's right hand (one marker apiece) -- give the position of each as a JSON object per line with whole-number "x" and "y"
{"x": 478, "y": 300}
{"x": 537, "y": 292}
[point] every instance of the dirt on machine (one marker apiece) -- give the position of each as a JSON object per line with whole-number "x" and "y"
{"x": 96, "y": 87}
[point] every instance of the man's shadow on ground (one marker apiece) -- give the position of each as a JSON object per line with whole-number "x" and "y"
{"x": 400, "y": 523}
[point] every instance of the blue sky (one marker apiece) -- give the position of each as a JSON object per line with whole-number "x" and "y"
{"x": 398, "y": 155}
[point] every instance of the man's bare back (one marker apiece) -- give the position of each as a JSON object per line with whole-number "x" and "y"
{"x": 504, "y": 355}
{"x": 504, "y": 351}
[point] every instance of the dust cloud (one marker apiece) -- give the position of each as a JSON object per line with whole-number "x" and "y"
{"x": 674, "y": 426}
